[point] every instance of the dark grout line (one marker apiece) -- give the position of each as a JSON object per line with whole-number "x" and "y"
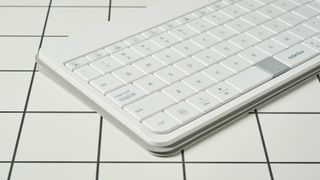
{"x": 183, "y": 166}
{"x": 99, "y": 148}
{"x": 66, "y": 6}
{"x": 45, "y": 25}
{"x": 32, "y": 36}
{"x": 318, "y": 76}
{"x": 109, "y": 12}
{"x": 264, "y": 144}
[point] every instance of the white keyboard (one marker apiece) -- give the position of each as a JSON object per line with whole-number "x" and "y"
{"x": 190, "y": 69}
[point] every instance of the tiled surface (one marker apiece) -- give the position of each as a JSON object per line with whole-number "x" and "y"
{"x": 60, "y": 135}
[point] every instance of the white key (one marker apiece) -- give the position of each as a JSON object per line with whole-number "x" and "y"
{"x": 178, "y": 91}
{"x": 230, "y": 1}
{"x": 201, "y": 12}
{"x": 302, "y": 31}
{"x": 149, "y": 84}
{"x": 106, "y": 65}
{"x": 128, "y": 74}
{"x": 315, "y": 5}
{"x": 148, "y": 65}
{"x": 243, "y": 41}
{"x": 200, "y": 25}
{"x": 217, "y": 18}
{"x": 149, "y": 105}
{"x": 226, "y": 48}
{"x": 276, "y": 26}
{"x": 285, "y": 5}
{"x": 223, "y": 92}
{"x": 314, "y": 23}
{"x": 116, "y": 47}
{"x": 217, "y": 72}
{"x": 238, "y": 25}
{"x": 291, "y": 19}
{"x": 249, "y": 79}
{"x": 300, "y": 2}
{"x": 161, "y": 123}
{"x": 168, "y": 56}
{"x": 152, "y": 32}
{"x": 208, "y": 57}
{"x": 254, "y": 18}
{"x": 146, "y": 48}
{"x": 97, "y": 54}
{"x": 198, "y": 81}
{"x": 135, "y": 39}
{"x": 182, "y": 32}
{"x": 164, "y": 40}
{"x": 313, "y": 44}
{"x": 265, "y": 2}
{"x": 296, "y": 55}
{"x": 169, "y": 25}
{"x": 126, "y": 95}
{"x": 76, "y": 63}
{"x": 126, "y": 56}
{"x": 170, "y": 74}
{"x": 221, "y": 33}
{"x": 204, "y": 102}
{"x": 106, "y": 83}
{"x": 260, "y": 33}
{"x": 235, "y": 63}
{"x": 204, "y": 40}
{"x": 271, "y": 47}
{"x": 189, "y": 65}
{"x": 217, "y": 6}
{"x": 183, "y": 112}
{"x": 253, "y": 55}
{"x": 249, "y": 5}
{"x": 185, "y": 19}
{"x": 233, "y": 11}
{"x": 305, "y": 12}
{"x": 317, "y": 37}
{"x": 287, "y": 39}
{"x": 186, "y": 48}
{"x": 87, "y": 73}
{"x": 270, "y": 11}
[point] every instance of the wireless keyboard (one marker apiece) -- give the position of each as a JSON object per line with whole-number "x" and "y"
{"x": 176, "y": 82}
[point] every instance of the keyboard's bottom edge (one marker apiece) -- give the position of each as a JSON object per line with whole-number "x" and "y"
{"x": 193, "y": 137}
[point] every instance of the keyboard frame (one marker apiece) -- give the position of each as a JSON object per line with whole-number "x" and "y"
{"x": 51, "y": 63}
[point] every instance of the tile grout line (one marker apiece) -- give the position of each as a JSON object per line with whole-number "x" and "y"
{"x": 99, "y": 148}
{"x": 264, "y": 144}
{"x": 318, "y": 76}
{"x": 109, "y": 12}
{"x": 183, "y": 166}
{"x": 27, "y": 101}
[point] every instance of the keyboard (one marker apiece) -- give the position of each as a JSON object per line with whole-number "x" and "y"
{"x": 176, "y": 82}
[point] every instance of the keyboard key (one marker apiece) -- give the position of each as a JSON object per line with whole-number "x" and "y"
{"x": 106, "y": 65}
{"x": 300, "y": 2}
{"x": 149, "y": 84}
{"x": 217, "y": 72}
{"x": 204, "y": 40}
{"x": 226, "y": 48}
{"x": 126, "y": 95}
{"x": 179, "y": 91}
{"x": 185, "y": 19}
{"x": 313, "y": 44}
{"x": 161, "y": 123}
{"x": 314, "y": 23}
{"x": 198, "y": 81}
{"x": 291, "y": 19}
{"x": 276, "y": 26}
{"x": 87, "y": 73}
{"x": 273, "y": 66}
{"x": 135, "y": 39}
{"x": 249, "y": 79}
{"x": 296, "y": 55}
{"x": 183, "y": 112}
{"x": 106, "y": 83}
{"x": 148, "y": 65}
{"x": 146, "y": 107}
{"x": 305, "y": 12}
{"x": 126, "y": 56}
{"x": 201, "y": 12}
{"x": 170, "y": 74}
{"x": 235, "y": 63}
{"x": 233, "y": 11}
{"x": 186, "y": 48}
{"x": 302, "y": 31}
{"x": 152, "y": 32}
{"x": 168, "y": 56}
{"x": 204, "y": 102}
{"x": 116, "y": 47}
{"x": 200, "y": 25}
{"x": 287, "y": 39}
{"x": 208, "y": 57}
{"x": 164, "y": 40}
{"x": 217, "y": 18}
{"x": 270, "y": 11}
{"x": 146, "y": 48}
{"x": 182, "y": 32}
{"x": 271, "y": 47}
{"x": 223, "y": 92}
{"x": 253, "y": 55}
{"x": 221, "y": 33}
{"x": 284, "y": 5}
{"x": 76, "y": 63}
{"x": 169, "y": 25}
{"x": 97, "y": 55}
{"x": 254, "y": 18}
{"x": 315, "y": 5}
{"x": 238, "y": 25}
{"x": 249, "y": 5}
{"x": 243, "y": 41}
{"x": 217, "y": 6}
{"x": 189, "y": 65}
{"x": 128, "y": 74}
{"x": 260, "y": 33}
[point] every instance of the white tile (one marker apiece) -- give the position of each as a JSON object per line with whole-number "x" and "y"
{"x": 18, "y": 53}
{"x": 53, "y": 171}
{"x": 24, "y": 2}
{"x": 4, "y": 170}
{"x": 140, "y": 171}
{"x": 14, "y": 90}
{"x": 296, "y": 171}
{"x": 240, "y": 141}
{"x": 63, "y": 137}
{"x": 130, "y": 2}
{"x": 227, "y": 171}
{"x": 305, "y": 94}
{"x": 9, "y": 128}
{"x": 292, "y": 137}
{"x": 98, "y": 3}
{"x": 46, "y": 95}
{"x": 117, "y": 146}
{"x": 23, "y": 21}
